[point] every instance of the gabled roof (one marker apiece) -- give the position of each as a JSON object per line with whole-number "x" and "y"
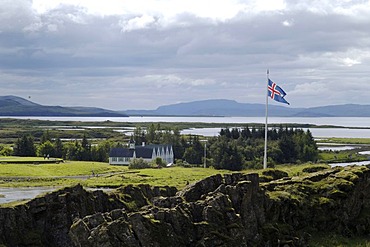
{"x": 121, "y": 152}
{"x": 140, "y": 151}
{"x": 144, "y": 152}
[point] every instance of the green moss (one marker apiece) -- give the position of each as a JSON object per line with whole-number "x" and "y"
{"x": 324, "y": 201}
{"x": 278, "y": 195}
{"x": 337, "y": 194}
{"x": 314, "y": 168}
{"x": 275, "y": 173}
{"x": 347, "y": 175}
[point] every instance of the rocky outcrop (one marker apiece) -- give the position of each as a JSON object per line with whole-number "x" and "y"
{"x": 222, "y": 210}
{"x": 212, "y": 212}
{"x": 45, "y": 221}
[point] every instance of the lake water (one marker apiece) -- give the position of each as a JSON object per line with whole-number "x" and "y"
{"x": 336, "y": 121}
{"x": 26, "y": 193}
{"x": 360, "y": 163}
{"x": 316, "y": 132}
{"x": 362, "y": 123}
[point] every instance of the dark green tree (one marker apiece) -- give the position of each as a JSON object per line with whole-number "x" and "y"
{"x": 85, "y": 149}
{"x": 25, "y": 146}
{"x": 46, "y": 149}
{"x": 58, "y": 145}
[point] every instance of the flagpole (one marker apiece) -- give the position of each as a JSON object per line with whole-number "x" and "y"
{"x": 266, "y": 114}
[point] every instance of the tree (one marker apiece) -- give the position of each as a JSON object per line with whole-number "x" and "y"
{"x": 25, "y": 146}
{"x": 139, "y": 135}
{"x": 288, "y": 149}
{"x": 158, "y": 162}
{"x": 45, "y": 137}
{"x": 58, "y": 148}
{"x": 85, "y": 149}
{"x": 101, "y": 152}
{"x": 194, "y": 150}
{"x": 5, "y": 150}
{"x": 151, "y": 134}
{"x": 73, "y": 150}
{"x": 46, "y": 148}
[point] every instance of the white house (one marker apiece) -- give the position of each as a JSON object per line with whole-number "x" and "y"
{"x": 122, "y": 156}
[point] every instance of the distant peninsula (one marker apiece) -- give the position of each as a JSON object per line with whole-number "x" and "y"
{"x": 16, "y": 106}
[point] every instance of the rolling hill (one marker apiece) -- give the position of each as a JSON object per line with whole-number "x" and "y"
{"x": 223, "y": 107}
{"x": 17, "y": 106}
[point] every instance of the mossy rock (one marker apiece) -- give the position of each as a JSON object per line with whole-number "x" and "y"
{"x": 275, "y": 174}
{"x": 312, "y": 169}
{"x": 265, "y": 179}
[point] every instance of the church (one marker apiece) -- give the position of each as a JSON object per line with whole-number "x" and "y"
{"x": 123, "y": 156}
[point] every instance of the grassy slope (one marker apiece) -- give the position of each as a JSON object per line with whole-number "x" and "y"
{"x": 64, "y": 174}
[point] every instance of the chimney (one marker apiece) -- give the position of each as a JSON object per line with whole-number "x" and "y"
{"x": 131, "y": 144}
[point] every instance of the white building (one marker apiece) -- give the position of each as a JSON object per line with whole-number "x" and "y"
{"x": 122, "y": 156}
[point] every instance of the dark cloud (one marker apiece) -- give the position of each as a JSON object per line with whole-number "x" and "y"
{"x": 67, "y": 56}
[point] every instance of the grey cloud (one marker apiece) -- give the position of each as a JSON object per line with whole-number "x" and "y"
{"x": 77, "y": 58}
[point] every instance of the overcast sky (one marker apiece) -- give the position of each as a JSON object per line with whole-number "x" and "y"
{"x": 141, "y": 54}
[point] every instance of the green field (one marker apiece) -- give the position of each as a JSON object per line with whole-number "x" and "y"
{"x": 98, "y": 174}
{"x": 94, "y": 174}
{"x": 348, "y": 140}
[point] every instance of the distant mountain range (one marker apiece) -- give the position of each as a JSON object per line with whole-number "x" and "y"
{"x": 223, "y": 107}
{"x": 17, "y": 106}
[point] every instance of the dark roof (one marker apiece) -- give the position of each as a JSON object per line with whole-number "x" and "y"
{"x": 144, "y": 152}
{"x": 121, "y": 152}
{"x": 141, "y": 151}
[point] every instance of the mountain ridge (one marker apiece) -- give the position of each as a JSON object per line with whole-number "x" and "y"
{"x": 224, "y": 107}
{"x": 16, "y": 106}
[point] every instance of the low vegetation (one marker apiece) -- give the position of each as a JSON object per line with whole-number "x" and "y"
{"x": 96, "y": 174}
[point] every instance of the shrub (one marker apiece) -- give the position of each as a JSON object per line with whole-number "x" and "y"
{"x": 159, "y": 162}
{"x": 138, "y": 164}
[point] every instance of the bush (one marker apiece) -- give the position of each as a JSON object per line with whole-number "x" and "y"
{"x": 138, "y": 164}
{"x": 159, "y": 162}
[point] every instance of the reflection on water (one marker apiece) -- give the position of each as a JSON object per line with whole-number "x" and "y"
{"x": 336, "y": 148}
{"x": 316, "y": 132}
{"x": 360, "y": 163}
{"x": 26, "y": 193}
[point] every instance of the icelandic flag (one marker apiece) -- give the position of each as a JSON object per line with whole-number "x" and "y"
{"x": 276, "y": 93}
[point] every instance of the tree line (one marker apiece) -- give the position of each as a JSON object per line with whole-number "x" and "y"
{"x": 237, "y": 148}
{"x": 81, "y": 150}
{"x": 232, "y": 149}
